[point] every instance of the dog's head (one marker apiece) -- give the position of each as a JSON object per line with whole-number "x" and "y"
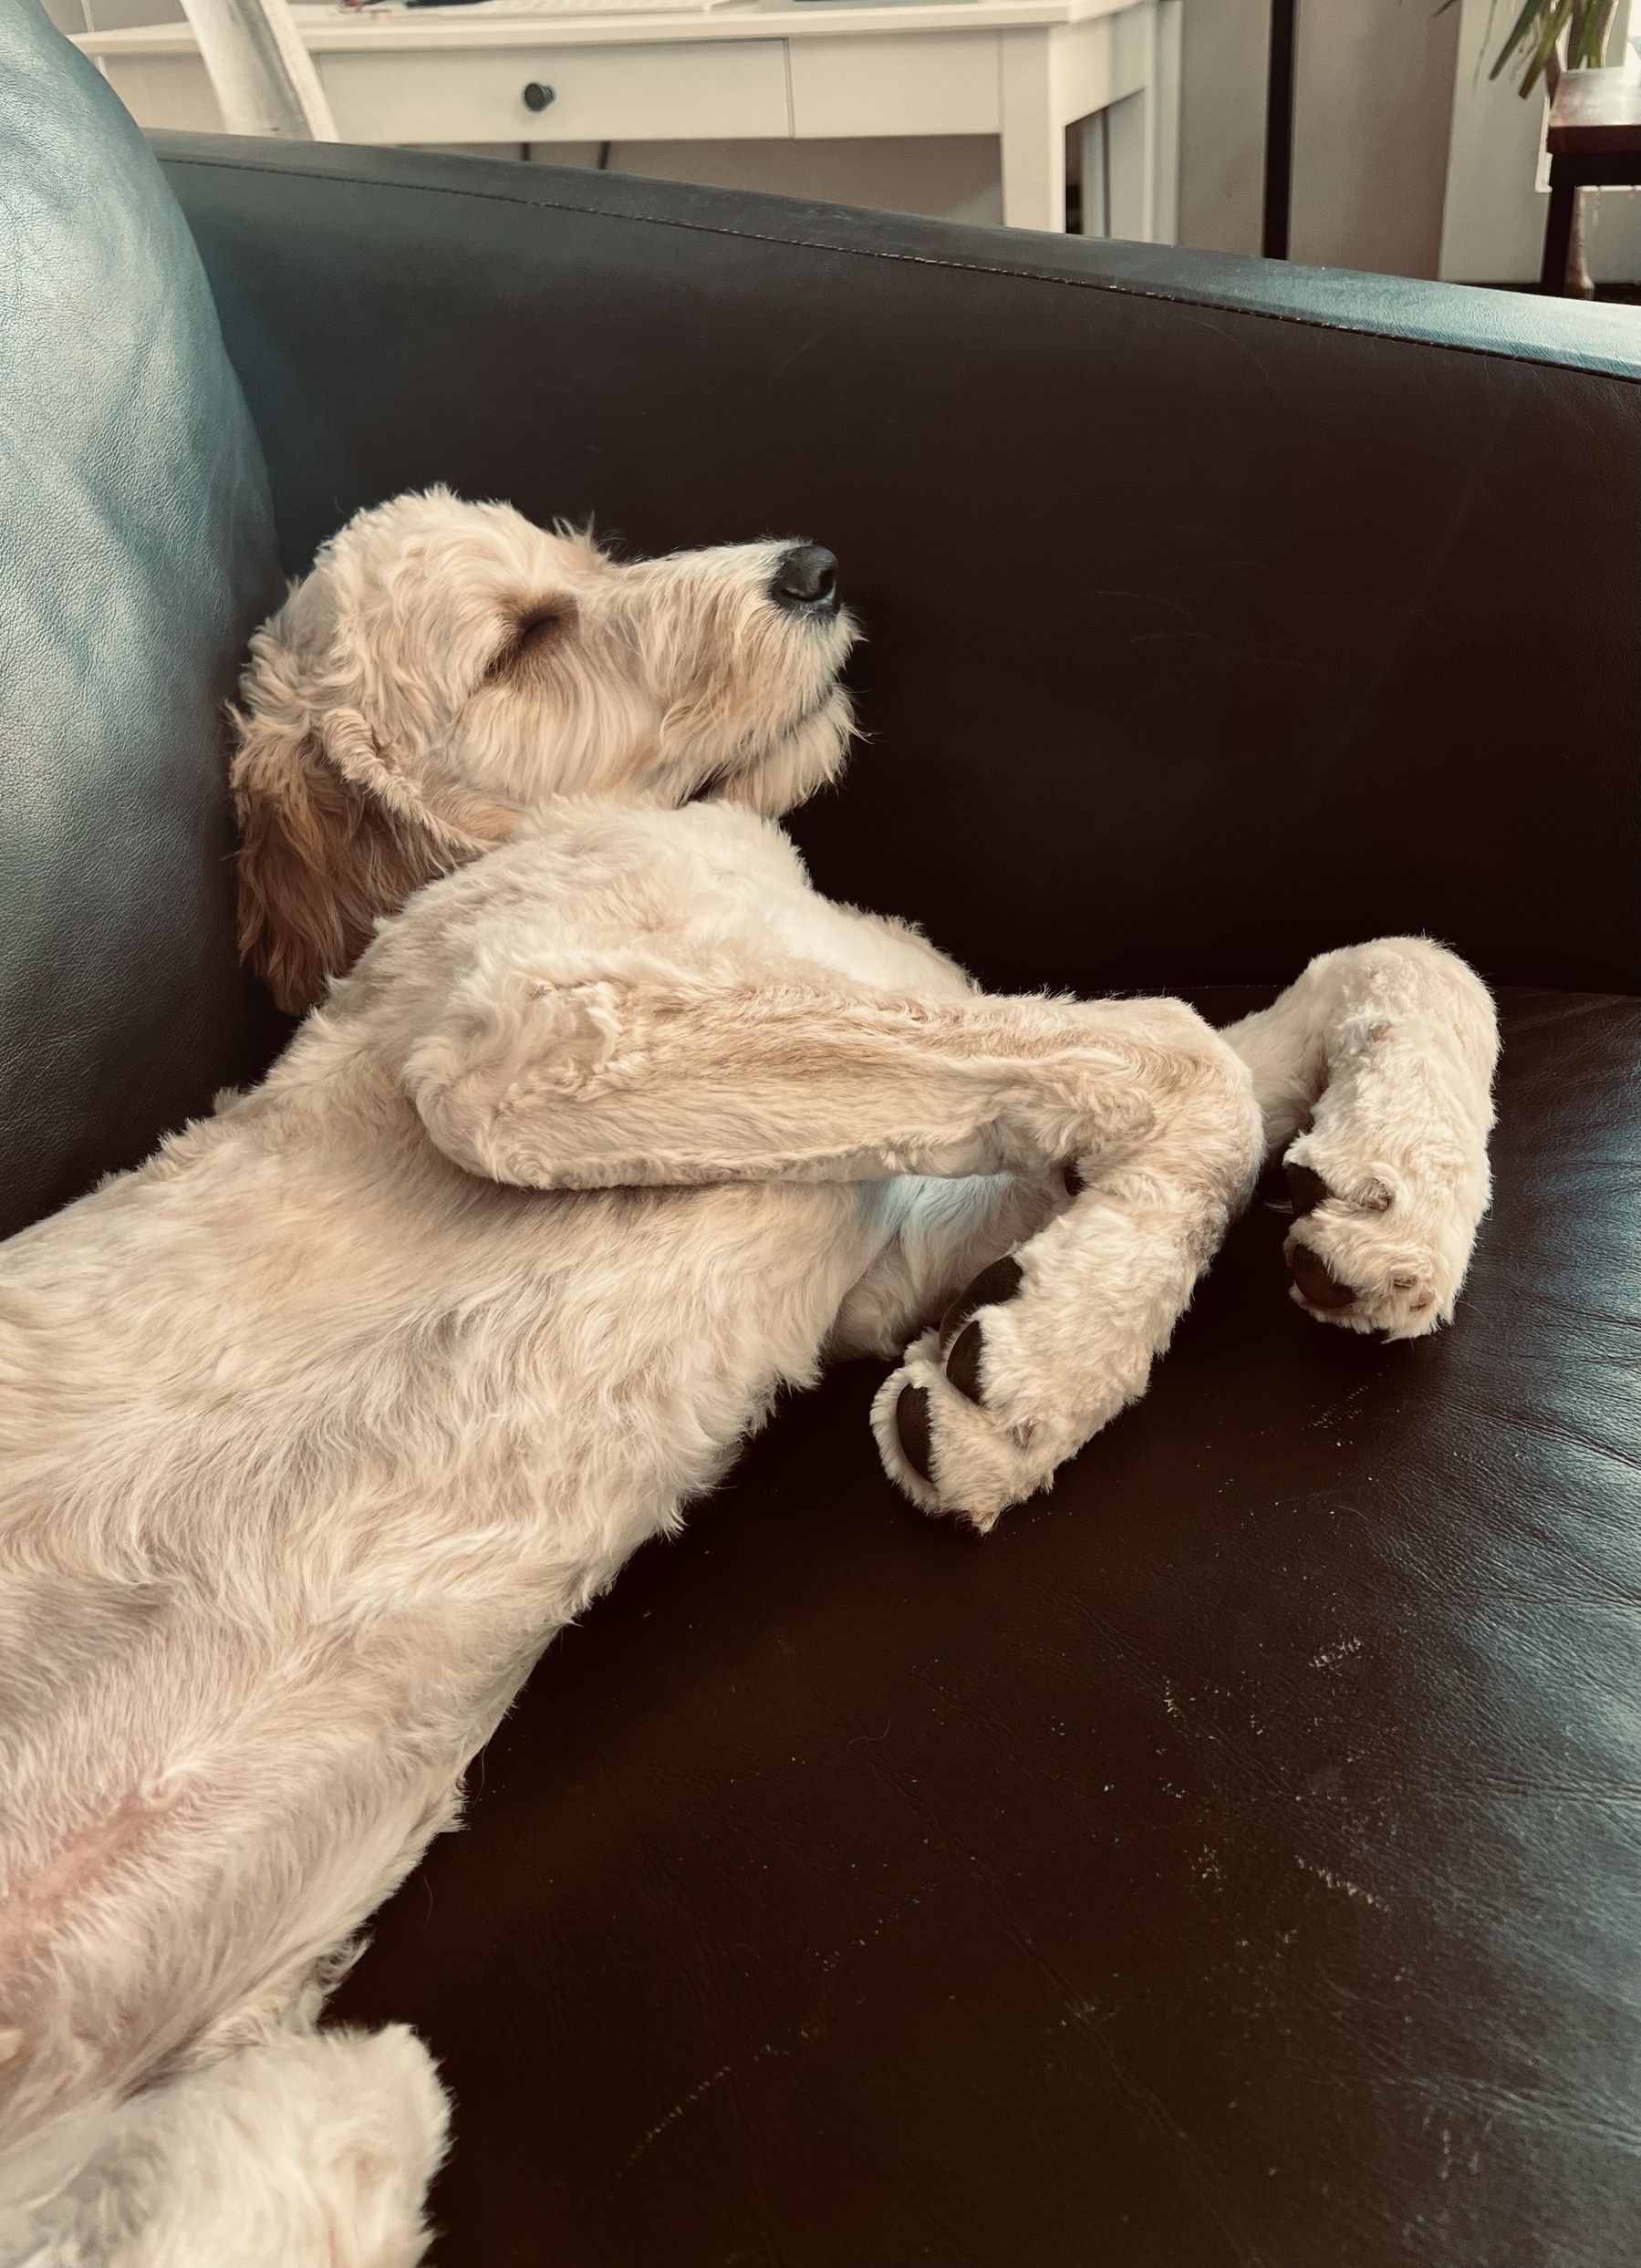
{"x": 447, "y": 667}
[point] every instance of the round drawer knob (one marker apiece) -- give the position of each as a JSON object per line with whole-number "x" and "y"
{"x": 538, "y": 97}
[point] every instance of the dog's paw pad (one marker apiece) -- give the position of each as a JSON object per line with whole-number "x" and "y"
{"x": 1364, "y": 1257}
{"x": 1318, "y": 1286}
{"x": 991, "y": 1288}
{"x": 962, "y": 1362}
{"x": 1306, "y": 1189}
{"x": 914, "y": 1430}
{"x": 1344, "y": 1262}
{"x": 962, "y": 1341}
{"x": 951, "y": 1452}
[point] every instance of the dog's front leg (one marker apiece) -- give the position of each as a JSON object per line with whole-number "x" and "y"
{"x": 1151, "y": 1116}
{"x": 1050, "y": 1342}
{"x": 1384, "y": 1055}
{"x": 661, "y": 1079}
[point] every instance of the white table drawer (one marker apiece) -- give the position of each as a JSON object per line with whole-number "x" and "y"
{"x": 930, "y": 85}
{"x": 718, "y": 90}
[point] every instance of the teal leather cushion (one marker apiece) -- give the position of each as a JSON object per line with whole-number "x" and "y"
{"x": 137, "y": 553}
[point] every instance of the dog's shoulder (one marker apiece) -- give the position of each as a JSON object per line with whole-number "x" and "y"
{"x": 585, "y": 875}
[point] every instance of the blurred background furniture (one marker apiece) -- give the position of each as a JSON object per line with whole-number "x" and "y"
{"x": 1233, "y": 1859}
{"x": 1024, "y": 71}
{"x": 1594, "y": 141}
{"x": 261, "y": 74}
{"x": 1401, "y": 154}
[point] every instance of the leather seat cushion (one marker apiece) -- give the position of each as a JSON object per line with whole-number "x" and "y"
{"x": 1232, "y": 1858}
{"x": 136, "y": 553}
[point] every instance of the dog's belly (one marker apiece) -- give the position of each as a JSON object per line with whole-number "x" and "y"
{"x": 419, "y": 1411}
{"x": 286, "y": 1518}
{"x": 563, "y": 1366}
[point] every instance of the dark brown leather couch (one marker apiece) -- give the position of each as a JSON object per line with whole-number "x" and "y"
{"x": 1234, "y": 1860}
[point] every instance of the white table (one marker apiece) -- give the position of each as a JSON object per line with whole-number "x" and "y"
{"x": 766, "y": 69}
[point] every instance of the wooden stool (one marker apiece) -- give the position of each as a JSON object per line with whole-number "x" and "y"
{"x": 1594, "y": 140}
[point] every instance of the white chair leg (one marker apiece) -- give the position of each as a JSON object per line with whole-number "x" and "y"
{"x": 263, "y": 75}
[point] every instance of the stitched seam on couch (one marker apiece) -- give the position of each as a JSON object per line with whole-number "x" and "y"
{"x": 1116, "y": 284}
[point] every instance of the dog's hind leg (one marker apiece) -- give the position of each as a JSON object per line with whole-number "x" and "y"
{"x": 309, "y": 2150}
{"x": 1380, "y": 1059}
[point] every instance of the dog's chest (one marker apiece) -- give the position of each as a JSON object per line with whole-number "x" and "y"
{"x": 712, "y": 879}
{"x": 760, "y": 883}
{"x": 804, "y": 927}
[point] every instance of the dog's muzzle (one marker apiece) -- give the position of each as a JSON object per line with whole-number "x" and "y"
{"x": 805, "y": 580}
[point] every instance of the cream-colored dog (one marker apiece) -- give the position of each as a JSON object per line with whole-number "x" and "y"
{"x": 317, "y": 1427}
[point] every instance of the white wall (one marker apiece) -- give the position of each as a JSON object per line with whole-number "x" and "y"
{"x": 1375, "y": 83}
{"x": 1223, "y": 67}
{"x": 1406, "y": 159}
{"x": 1372, "y": 107}
{"x": 1493, "y": 225}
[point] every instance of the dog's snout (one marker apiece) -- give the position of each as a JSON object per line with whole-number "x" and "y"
{"x": 806, "y": 577}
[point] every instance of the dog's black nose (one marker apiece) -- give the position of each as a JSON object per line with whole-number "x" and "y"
{"x": 806, "y": 577}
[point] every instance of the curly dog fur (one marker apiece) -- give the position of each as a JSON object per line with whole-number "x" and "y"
{"x": 317, "y": 1427}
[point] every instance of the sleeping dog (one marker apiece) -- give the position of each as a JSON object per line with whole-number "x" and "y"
{"x": 605, "y": 1126}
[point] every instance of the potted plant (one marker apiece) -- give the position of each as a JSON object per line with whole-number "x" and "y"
{"x": 1553, "y": 37}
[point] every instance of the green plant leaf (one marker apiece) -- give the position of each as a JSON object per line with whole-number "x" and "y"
{"x": 1554, "y": 20}
{"x": 1587, "y": 24}
{"x": 1521, "y": 31}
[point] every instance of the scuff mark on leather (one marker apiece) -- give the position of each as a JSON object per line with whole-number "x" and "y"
{"x": 1338, "y": 1882}
{"x": 1328, "y": 1656}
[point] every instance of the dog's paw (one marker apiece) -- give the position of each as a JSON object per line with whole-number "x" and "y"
{"x": 952, "y": 1423}
{"x": 1379, "y": 1250}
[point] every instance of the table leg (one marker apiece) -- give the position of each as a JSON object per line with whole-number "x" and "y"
{"x": 1166, "y": 65}
{"x": 1558, "y": 234}
{"x": 1128, "y": 143}
{"x": 1033, "y": 134}
{"x": 1096, "y": 176}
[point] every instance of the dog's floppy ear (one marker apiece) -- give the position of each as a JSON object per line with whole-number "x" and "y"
{"x": 333, "y": 836}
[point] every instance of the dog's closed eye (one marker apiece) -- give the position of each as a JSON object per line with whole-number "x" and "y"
{"x": 531, "y": 628}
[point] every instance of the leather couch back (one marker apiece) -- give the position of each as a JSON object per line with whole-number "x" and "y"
{"x": 136, "y": 554}
{"x": 1220, "y": 611}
